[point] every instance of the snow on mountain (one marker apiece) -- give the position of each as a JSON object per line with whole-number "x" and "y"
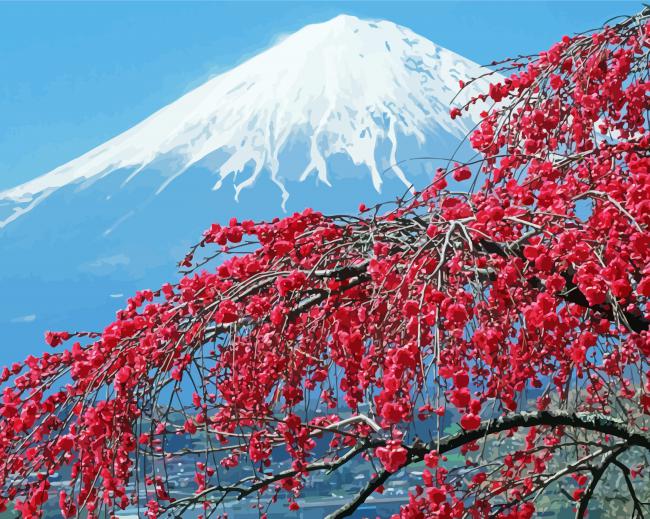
{"x": 346, "y": 86}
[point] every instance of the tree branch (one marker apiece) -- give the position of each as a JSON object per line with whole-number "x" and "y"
{"x": 586, "y": 421}
{"x": 243, "y": 491}
{"x": 349, "y": 508}
{"x": 572, "y": 294}
{"x": 597, "y": 474}
{"x": 638, "y": 506}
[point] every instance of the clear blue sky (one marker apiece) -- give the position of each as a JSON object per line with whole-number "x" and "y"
{"x": 73, "y": 75}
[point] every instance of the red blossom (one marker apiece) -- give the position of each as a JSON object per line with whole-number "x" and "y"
{"x": 470, "y": 422}
{"x": 392, "y": 456}
{"x": 317, "y": 338}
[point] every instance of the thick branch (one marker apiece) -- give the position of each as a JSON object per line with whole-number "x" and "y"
{"x": 350, "y": 507}
{"x": 587, "y": 421}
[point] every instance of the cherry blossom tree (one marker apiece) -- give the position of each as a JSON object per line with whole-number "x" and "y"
{"x": 500, "y": 315}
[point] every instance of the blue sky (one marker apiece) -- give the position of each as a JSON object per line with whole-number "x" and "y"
{"x": 75, "y": 74}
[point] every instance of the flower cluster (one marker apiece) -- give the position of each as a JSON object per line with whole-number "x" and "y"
{"x": 342, "y": 335}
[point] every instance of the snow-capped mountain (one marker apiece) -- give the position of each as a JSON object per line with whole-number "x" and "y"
{"x": 342, "y": 86}
{"x": 324, "y": 118}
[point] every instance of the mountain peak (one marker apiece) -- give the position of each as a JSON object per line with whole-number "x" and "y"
{"x": 337, "y": 22}
{"x": 346, "y": 86}
{"x": 341, "y": 23}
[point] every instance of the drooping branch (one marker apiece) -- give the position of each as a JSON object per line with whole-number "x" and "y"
{"x": 451, "y": 302}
